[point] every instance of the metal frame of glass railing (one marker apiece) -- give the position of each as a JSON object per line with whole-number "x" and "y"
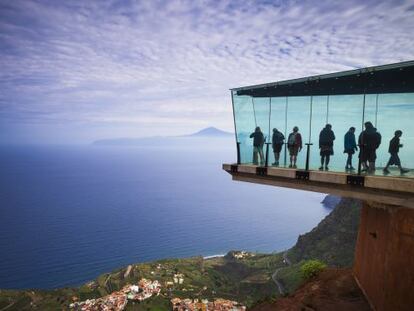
{"x": 265, "y": 163}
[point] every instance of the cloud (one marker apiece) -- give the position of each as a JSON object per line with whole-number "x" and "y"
{"x": 97, "y": 61}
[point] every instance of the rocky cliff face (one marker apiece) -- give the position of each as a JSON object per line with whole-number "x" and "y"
{"x": 332, "y": 290}
{"x": 331, "y": 201}
{"x": 333, "y": 240}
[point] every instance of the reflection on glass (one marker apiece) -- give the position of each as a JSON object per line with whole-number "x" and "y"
{"x": 395, "y": 112}
{"x": 298, "y": 115}
{"x": 319, "y": 120}
{"x": 278, "y": 154}
{"x": 345, "y": 111}
{"x": 387, "y": 113}
{"x": 245, "y": 124}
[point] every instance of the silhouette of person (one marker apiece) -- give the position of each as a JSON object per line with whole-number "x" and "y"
{"x": 369, "y": 140}
{"x": 350, "y": 147}
{"x": 258, "y": 141}
{"x": 277, "y": 143}
{"x": 326, "y": 141}
{"x": 294, "y": 145}
{"x": 393, "y": 149}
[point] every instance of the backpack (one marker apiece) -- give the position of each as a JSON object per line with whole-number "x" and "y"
{"x": 292, "y": 139}
{"x": 278, "y": 138}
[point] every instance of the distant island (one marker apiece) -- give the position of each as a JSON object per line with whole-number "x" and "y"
{"x": 209, "y": 132}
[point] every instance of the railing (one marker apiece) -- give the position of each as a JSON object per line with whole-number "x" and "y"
{"x": 306, "y": 165}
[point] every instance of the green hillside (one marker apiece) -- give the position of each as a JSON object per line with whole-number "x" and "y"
{"x": 333, "y": 239}
{"x": 245, "y": 280}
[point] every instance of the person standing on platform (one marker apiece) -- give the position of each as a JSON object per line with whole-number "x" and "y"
{"x": 350, "y": 147}
{"x": 294, "y": 145}
{"x": 369, "y": 140}
{"x": 326, "y": 142}
{"x": 277, "y": 143}
{"x": 393, "y": 149}
{"x": 258, "y": 142}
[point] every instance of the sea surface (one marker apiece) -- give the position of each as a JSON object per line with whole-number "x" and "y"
{"x": 70, "y": 213}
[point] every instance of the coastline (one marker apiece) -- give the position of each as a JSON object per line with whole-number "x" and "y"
{"x": 214, "y": 256}
{"x": 214, "y": 278}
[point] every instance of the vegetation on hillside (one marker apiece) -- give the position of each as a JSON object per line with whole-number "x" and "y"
{"x": 245, "y": 280}
{"x": 333, "y": 239}
{"x": 311, "y": 268}
{"x": 332, "y": 242}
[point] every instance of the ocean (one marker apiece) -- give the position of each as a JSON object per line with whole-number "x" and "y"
{"x": 70, "y": 213}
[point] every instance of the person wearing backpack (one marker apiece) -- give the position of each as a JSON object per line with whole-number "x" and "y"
{"x": 277, "y": 143}
{"x": 326, "y": 142}
{"x": 294, "y": 145}
{"x": 369, "y": 140}
{"x": 258, "y": 142}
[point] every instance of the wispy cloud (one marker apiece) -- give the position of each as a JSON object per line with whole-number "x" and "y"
{"x": 164, "y": 66}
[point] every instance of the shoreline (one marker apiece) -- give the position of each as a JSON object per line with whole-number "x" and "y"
{"x": 214, "y": 256}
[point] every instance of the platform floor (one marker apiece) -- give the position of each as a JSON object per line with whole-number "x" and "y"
{"x": 394, "y": 171}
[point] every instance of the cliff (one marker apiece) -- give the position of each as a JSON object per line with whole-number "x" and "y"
{"x": 332, "y": 290}
{"x": 333, "y": 239}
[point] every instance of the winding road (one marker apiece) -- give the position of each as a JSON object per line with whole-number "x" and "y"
{"x": 279, "y": 285}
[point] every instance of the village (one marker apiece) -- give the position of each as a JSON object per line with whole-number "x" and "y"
{"x": 118, "y": 300}
{"x": 205, "y": 305}
{"x": 242, "y": 255}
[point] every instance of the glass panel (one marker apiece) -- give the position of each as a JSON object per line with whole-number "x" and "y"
{"x": 395, "y": 112}
{"x": 319, "y": 120}
{"x": 261, "y": 108}
{"x": 345, "y": 111}
{"x": 250, "y": 113}
{"x": 387, "y": 113}
{"x": 278, "y": 122}
{"x": 244, "y": 118}
{"x": 370, "y": 113}
{"x": 298, "y": 115}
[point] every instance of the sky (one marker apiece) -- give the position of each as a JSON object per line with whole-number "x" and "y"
{"x": 78, "y": 71}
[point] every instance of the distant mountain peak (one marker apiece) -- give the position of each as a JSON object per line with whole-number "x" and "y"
{"x": 208, "y": 132}
{"x": 211, "y": 131}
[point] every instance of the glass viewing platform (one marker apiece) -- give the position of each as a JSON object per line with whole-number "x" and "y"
{"x": 358, "y": 122}
{"x": 349, "y": 134}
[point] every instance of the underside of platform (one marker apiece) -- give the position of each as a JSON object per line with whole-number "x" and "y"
{"x": 386, "y": 190}
{"x": 384, "y": 257}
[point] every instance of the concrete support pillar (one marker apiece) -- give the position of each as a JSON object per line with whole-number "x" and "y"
{"x": 384, "y": 256}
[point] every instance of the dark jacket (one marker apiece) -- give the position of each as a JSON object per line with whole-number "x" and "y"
{"x": 258, "y": 139}
{"x": 394, "y": 145}
{"x": 277, "y": 139}
{"x": 349, "y": 142}
{"x": 326, "y": 138}
{"x": 370, "y": 139}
